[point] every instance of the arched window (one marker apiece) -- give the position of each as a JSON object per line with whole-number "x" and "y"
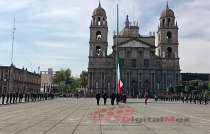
{"x": 98, "y": 35}
{"x": 168, "y": 21}
{"x": 169, "y": 36}
{"x": 99, "y": 21}
{"x": 104, "y": 22}
{"x": 163, "y": 22}
{"x": 169, "y": 52}
{"x": 99, "y": 51}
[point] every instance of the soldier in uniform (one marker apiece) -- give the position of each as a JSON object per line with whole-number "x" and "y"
{"x": 156, "y": 98}
{"x": 206, "y": 99}
{"x": 10, "y": 98}
{"x": 190, "y": 98}
{"x": 13, "y": 98}
{"x": 20, "y": 97}
{"x": 98, "y": 98}
{"x": 16, "y": 97}
{"x": 201, "y": 99}
{"x": 124, "y": 98}
{"x": 3, "y": 97}
{"x": 194, "y": 98}
{"x": 105, "y": 98}
{"x": 7, "y": 100}
{"x": 25, "y": 97}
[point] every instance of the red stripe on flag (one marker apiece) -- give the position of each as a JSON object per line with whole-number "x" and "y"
{"x": 118, "y": 87}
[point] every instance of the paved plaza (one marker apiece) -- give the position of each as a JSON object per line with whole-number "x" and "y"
{"x": 69, "y": 116}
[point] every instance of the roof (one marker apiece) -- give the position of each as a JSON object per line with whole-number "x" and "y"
{"x": 99, "y": 11}
{"x": 143, "y": 43}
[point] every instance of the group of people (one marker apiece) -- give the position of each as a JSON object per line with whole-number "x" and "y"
{"x": 113, "y": 97}
{"x": 13, "y": 98}
{"x": 186, "y": 98}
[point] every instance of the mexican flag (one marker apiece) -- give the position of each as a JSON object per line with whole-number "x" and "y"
{"x": 119, "y": 79}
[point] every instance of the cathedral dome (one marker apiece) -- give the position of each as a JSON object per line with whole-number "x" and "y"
{"x": 99, "y": 11}
{"x": 167, "y": 12}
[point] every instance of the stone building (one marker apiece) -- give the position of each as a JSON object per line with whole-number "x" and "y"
{"x": 147, "y": 62}
{"x": 47, "y": 80}
{"x": 15, "y": 80}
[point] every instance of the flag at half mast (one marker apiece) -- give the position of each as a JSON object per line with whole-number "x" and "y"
{"x": 119, "y": 79}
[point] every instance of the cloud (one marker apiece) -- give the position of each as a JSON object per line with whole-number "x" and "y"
{"x": 51, "y": 44}
{"x": 55, "y": 33}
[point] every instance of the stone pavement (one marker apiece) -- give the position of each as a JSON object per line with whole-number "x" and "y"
{"x": 69, "y": 116}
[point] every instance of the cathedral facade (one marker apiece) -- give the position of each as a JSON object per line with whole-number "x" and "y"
{"x": 147, "y": 62}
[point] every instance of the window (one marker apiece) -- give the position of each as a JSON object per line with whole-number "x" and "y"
{"x": 168, "y": 23}
{"x": 146, "y": 62}
{"x": 99, "y": 21}
{"x": 96, "y": 84}
{"x": 98, "y": 35}
{"x": 140, "y": 80}
{"x": 163, "y": 22}
{"x": 99, "y": 51}
{"x": 169, "y": 52}
{"x": 128, "y": 53}
{"x": 169, "y": 36}
{"x": 104, "y": 21}
{"x": 146, "y": 54}
{"x": 133, "y": 62}
{"x": 153, "y": 80}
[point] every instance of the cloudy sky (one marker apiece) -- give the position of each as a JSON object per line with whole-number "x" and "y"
{"x": 55, "y": 33}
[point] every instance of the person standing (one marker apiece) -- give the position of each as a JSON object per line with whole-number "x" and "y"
{"x": 112, "y": 98}
{"x": 117, "y": 98}
{"x": 7, "y": 100}
{"x": 105, "y": 98}
{"x": 98, "y": 96}
{"x": 13, "y": 98}
{"x": 146, "y": 97}
{"x": 10, "y": 97}
{"x": 124, "y": 98}
{"x": 156, "y": 98}
{"x": 3, "y": 97}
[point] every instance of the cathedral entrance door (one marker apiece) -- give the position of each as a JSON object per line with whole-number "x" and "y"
{"x": 134, "y": 89}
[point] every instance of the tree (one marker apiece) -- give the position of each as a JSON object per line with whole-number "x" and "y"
{"x": 84, "y": 79}
{"x": 65, "y": 81}
{"x": 59, "y": 76}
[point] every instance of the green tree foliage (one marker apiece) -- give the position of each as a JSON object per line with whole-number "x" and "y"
{"x": 66, "y": 83}
{"x": 84, "y": 79}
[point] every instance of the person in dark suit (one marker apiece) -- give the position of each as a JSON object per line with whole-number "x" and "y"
{"x": 98, "y": 96}
{"x": 112, "y": 98}
{"x": 117, "y": 98}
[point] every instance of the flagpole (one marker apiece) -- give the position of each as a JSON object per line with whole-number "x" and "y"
{"x": 13, "y": 38}
{"x": 117, "y": 47}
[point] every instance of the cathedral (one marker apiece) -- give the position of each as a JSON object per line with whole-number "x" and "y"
{"x": 147, "y": 62}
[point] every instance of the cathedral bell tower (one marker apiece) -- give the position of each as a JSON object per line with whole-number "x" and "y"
{"x": 168, "y": 35}
{"x": 98, "y": 33}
